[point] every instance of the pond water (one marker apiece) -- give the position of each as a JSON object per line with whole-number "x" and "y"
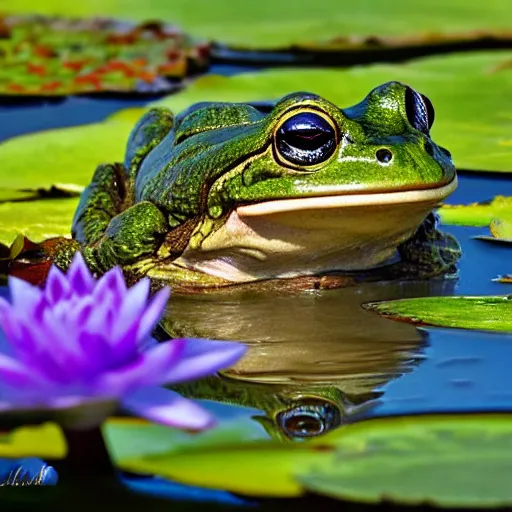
{"x": 318, "y": 360}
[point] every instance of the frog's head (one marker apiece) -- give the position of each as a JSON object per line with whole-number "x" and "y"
{"x": 302, "y": 186}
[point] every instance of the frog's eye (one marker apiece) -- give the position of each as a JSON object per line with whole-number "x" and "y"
{"x": 306, "y": 139}
{"x": 420, "y": 111}
{"x": 309, "y": 419}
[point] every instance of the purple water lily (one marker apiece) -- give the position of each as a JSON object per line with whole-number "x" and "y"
{"x": 84, "y": 345}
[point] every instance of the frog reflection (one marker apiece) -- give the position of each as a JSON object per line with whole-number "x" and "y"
{"x": 287, "y": 412}
{"x": 314, "y": 359}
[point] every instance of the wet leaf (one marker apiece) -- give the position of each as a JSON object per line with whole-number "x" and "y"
{"x": 36, "y": 220}
{"x": 131, "y": 438}
{"x": 447, "y": 461}
{"x": 274, "y": 24}
{"x": 51, "y": 56}
{"x": 477, "y": 214}
{"x": 45, "y": 441}
{"x": 492, "y": 313}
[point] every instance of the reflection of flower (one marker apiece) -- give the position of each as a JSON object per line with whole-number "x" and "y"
{"x": 83, "y": 345}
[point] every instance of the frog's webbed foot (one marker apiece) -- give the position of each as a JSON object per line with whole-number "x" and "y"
{"x": 429, "y": 252}
{"x": 135, "y": 233}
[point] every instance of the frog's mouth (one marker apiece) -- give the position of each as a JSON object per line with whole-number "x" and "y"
{"x": 310, "y": 235}
{"x": 429, "y": 195}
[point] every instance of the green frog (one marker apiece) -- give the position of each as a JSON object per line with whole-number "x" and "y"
{"x": 232, "y": 193}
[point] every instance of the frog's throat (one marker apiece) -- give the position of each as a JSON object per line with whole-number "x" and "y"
{"x": 430, "y": 195}
{"x": 312, "y": 235}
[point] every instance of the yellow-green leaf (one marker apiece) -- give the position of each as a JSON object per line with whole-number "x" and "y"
{"x": 37, "y": 220}
{"x": 477, "y": 214}
{"x": 45, "y": 441}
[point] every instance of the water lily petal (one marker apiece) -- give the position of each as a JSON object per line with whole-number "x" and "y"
{"x": 57, "y": 286}
{"x": 79, "y": 276}
{"x": 15, "y": 374}
{"x": 111, "y": 282}
{"x": 24, "y": 295}
{"x": 153, "y": 313}
{"x": 203, "y": 357}
{"x": 148, "y": 368}
{"x": 131, "y": 308}
{"x": 168, "y": 407}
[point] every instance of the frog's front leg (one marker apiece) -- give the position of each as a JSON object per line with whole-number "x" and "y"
{"x": 135, "y": 233}
{"x": 429, "y": 252}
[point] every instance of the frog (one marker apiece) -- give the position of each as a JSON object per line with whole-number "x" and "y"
{"x": 228, "y": 194}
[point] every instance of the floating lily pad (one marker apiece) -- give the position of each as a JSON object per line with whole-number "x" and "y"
{"x": 66, "y": 155}
{"x": 501, "y": 231}
{"x": 45, "y": 441}
{"x": 447, "y": 461}
{"x": 37, "y": 220}
{"x": 493, "y": 313}
{"x": 471, "y": 120}
{"x": 50, "y": 56}
{"x": 271, "y": 24}
{"x": 477, "y": 214}
{"x": 130, "y": 438}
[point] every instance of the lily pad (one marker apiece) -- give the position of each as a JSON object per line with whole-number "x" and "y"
{"x": 37, "y": 220}
{"x": 447, "y": 461}
{"x": 51, "y": 56}
{"x": 492, "y": 313}
{"x": 477, "y": 214}
{"x": 130, "y": 438}
{"x": 271, "y": 24}
{"x": 471, "y": 121}
{"x": 45, "y": 441}
{"x": 501, "y": 231}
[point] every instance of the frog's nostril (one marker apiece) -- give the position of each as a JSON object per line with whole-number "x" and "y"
{"x": 384, "y": 156}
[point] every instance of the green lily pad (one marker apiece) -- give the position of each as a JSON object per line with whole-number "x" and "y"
{"x": 447, "y": 461}
{"x": 255, "y": 469}
{"x": 51, "y": 56}
{"x": 471, "y": 121}
{"x": 492, "y": 313}
{"x": 271, "y": 24}
{"x": 37, "y": 220}
{"x": 131, "y": 438}
{"x": 66, "y": 155}
{"x": 477, "y": 214}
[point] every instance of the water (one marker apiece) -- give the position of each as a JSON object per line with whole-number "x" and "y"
{"x": 317, "y": 360}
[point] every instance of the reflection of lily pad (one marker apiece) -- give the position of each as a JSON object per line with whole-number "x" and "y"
{"x": 477, "y": 214}
{"x": 470, "y": 117}
{"x": 271, "y": 23}
{"x": 448, "y": 461}
{"x": 493, "y": 313}
{"x": 58, "y": 56}
{"x": 37, "y": 220}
